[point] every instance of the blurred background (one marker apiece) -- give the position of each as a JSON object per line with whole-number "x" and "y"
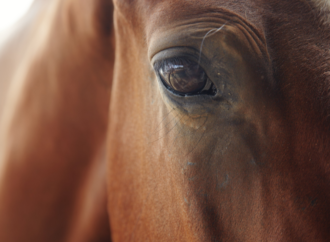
{"x": 11, "y": 11}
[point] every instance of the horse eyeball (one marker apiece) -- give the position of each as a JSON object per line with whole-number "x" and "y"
{"x": 185, "y": 78}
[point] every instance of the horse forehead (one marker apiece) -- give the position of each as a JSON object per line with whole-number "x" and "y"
{"x": 252, "y": 10}
{"x": 178, "y": 4}
{"x": 167, "y": 10}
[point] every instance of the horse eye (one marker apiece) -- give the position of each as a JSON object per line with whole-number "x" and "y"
{"x": 184, "y": 78}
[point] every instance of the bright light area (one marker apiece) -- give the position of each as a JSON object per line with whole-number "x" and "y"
{"x": 11, "y": 11}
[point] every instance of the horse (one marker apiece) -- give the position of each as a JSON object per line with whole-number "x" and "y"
{"x": 166, "y": 120}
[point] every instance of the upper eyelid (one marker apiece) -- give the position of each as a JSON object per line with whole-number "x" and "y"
{"x": 185, "y": 52}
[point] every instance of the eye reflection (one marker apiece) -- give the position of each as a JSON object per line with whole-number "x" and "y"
{"x": 183, "y": 76}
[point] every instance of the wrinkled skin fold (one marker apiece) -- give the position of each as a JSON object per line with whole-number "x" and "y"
{"x": 96, "y": 147}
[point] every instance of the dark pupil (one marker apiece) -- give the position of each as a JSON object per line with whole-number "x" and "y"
{"x": 183, "y": 78}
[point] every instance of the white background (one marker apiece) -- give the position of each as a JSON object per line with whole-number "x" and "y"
{"x": 11, "y": 11}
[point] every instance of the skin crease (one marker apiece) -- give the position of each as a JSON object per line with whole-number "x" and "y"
{"x": 249, "y": 164}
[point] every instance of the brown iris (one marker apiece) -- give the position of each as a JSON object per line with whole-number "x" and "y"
{"x": 183, "y": 77}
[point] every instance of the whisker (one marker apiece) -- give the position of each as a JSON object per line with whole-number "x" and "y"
{"x": 166, "y": 115}
{"x": 211, "y": 32}
{"x": 166, "y": 125}
{"x": 198, "y": 140}
{"x": 200, "y": 125}
{"x": 167, "y": 131}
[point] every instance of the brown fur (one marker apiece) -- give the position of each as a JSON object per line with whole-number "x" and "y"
{"x": 92, "y": 144}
